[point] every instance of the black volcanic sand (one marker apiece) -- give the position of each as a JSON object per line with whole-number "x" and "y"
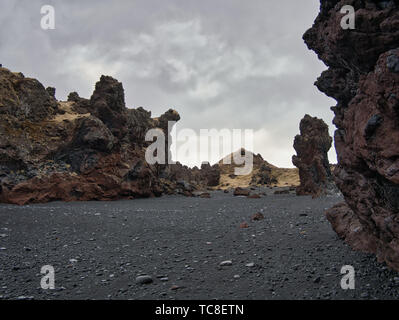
{"x": 99, "y": 248}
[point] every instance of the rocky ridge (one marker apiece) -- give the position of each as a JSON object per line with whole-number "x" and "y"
{"x": 81, "y": 149}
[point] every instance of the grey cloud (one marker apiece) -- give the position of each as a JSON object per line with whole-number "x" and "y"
{"x": 224, "y": 63}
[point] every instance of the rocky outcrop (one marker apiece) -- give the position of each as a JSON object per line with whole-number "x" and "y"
{"x": 23, "y": 98}
{"x": 263, "y": 176}
{"x": 363, "y": 78}
{"x": 348, "y": 226}
{"x": 312, "y": 146}
{"x": 81, "y": 149}
{"x": 263, "y": 173}
{"x": 210, "y": 174}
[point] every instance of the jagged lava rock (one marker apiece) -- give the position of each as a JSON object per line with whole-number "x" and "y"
{"x": 312, "y": 146}
{"x": 363, "y": 78}
{"x": 81, "y": 149}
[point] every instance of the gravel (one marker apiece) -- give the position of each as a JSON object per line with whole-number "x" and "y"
{"x": 111, "y": 250}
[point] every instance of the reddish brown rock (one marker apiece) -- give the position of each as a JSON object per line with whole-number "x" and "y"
{"x": 244, "y": 225}
{"x": 188, "y": 194}
{"x": 349, "y": 228}
{"x": 363, "y": 78}
{"x": 254, "y": 196}
{"x": 257, "y": 217}
{"x": 241, "y": 192}
{"x": 312, "y": 146}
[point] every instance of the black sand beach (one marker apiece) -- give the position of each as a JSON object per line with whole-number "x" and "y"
{"x": 98, "y": 249}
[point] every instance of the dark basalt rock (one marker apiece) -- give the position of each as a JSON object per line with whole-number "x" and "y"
{"x": 24, "y": 98}
{"x": 312, "y": 146}
{"x": 263, "y": 176}
{"x": 74, "y": 96}
{"x": 210, "y": 174}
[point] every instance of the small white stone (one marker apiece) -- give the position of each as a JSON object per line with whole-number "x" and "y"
{"x": 226, "y": 263}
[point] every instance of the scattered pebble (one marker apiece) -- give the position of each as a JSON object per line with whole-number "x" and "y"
{"x": 226, "y": 263}
{"x": 244, "y": 225}
{"x": 144, "y": 279}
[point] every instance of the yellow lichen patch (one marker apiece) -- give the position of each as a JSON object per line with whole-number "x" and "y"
{"x": 239, "y": 181}
{"x": 32, "y": 131}
{"x": 69, "y": 114}
{"x": 286, "y": 176}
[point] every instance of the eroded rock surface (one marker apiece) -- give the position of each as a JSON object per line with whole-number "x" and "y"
{"x": 312, "y": 146}
{"x": 363, "y": 78}
{"x": 81, "y": 149}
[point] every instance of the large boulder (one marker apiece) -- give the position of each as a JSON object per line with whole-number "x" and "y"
{"x": 363, "y": 78}
{"x": 312, "y": 146}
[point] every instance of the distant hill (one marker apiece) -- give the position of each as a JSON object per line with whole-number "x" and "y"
{"x": 263, "y": 174}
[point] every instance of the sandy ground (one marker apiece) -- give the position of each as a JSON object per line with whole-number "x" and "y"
{"x": 98, "y": 249}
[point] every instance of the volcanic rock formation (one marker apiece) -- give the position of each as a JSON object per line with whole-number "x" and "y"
{"x": 82, "y": 149}
{"x": 363, "y": 77}
{"x": 312, "y": 146}
{"x": 210, "y": 174}
{"x": 262, "y": 174}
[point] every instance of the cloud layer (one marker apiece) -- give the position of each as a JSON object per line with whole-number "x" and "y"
{"x": 221, "y": 64}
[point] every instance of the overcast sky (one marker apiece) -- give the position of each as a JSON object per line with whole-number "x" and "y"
{"x": 219, "y": 63}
